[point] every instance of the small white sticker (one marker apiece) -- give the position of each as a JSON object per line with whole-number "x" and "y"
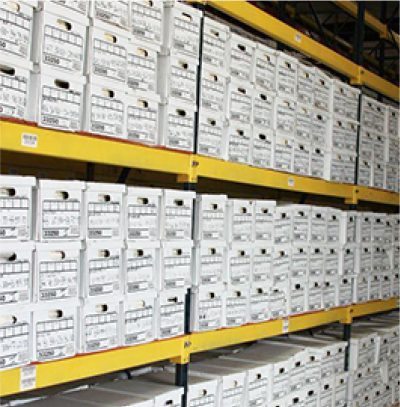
{"x": 297, "y": 38}
{"x": 29, "y": 140}
{"x": 285, "y": 326}
{"x": 290, "y": 182}
{"x": 28, "y": 378}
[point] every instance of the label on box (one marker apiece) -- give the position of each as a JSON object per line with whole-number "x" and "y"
{"x": 182, "y": 81}
{"x": 180, "y": 134}
{"x": 232, "y": 397}
{"x": 171, "y": 319}
{"x": 209, "y": 314}
{"x": 186, "y": 35}
{"x": 240, "y": 268}
{"x": 177, "y": 269}
{"x": 114, "y": 12}
{"x": 104, "y": 275}
{"x": 239, "y": 146}
{"x": 104, "y": 220}
{"x": 61, "y": 219}
{"x": 178, "y": 221}
{"x": 213, "y": 90}
{"x": 241, "y": 62}
{"x": 142, "y": 69}
{"x": 13, "y": 95}
{"x": 210, "y": 138}
{"x": 140, "y": 271}
{"x": 14, "y": 345}
{"x": 262, "y": 151}
{"x": 265, "y": 71}
{"x": 146, "y": 20}
{"x": 142, "y": 123}
{"x": 211, "y": 268}
{"x": 100, "y": 331}
{"x": 143, "y": 219}
{"x": 15, "y": 281}
{"x": 213, "y": 223}
{"x": 139, "y": 325}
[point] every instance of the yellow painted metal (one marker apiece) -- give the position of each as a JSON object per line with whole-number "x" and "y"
{"x": 352, "y": 8}
{"x": 233, "y": 172}
{"x": 94, "y": 149}
{"x": 81, "y": 367}
{"x": 376, "y": 195}
{"x": 307, "y": 321}
{"x": 258, "y": 19}
{"x": 373, "y": 307}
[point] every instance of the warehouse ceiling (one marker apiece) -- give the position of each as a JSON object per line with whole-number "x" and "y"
{"x": 330, "y": 24}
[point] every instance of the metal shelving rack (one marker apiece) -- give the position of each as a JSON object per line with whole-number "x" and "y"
{"x": 188, "y": 169}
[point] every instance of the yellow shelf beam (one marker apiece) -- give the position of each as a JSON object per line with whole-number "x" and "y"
{"x": 376, "y": 195}
{"x": 178, "y": 350}
{"x": 265, "y": 23}
{"x": 371, "y": 21}
{"x": 28, "y": 139}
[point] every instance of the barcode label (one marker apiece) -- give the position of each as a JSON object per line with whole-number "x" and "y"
{"x": 29, "y": 140}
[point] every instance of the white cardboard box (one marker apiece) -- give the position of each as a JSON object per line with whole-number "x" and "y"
{"x": 301, "y": 158}
{"x": 213, "y": 89}
{"x": 300, "y": 259}
{"x": 170, "y": 306}
{"x": 237, "y": 305}
{"x": 177, "y": 78}
{"x": 241, "y": 59}
{"x": 240, "y": 215}
{"x": 331, "y": 260}
{"x": 240, "y": 102}
{"x": 177, "y": 214}
{"x": 345, "y": 290}
{"x": 177, "y": 125}
{"x": 239, "y": 263}
{"x": 239, "y": 138}
{"x": 364, "y": 173}
{"x": 303, "y": 123}
{"x": 78, "y": 9}
{"x": 102, "y": 270}
{"x": 57, "y": 271}
{"x": 366, "y": 144}
{"x": 372, "y": 114}
{"x": 264, "y": 67}
{"x": 305, "y": 83}
{"x": 347, "y": 260}
{"x": 142, "y": 65}
{"x": 142, "y": 115}
{"x": 59, "y": 211}
{"x": 210, "y": 217}
{"x": 352, "y": 101}
{"x": 146, "y": 21}
{"x": 316, "y": 261}
{"x": 285, "y": 115}
{"x": 106, "y": 61}
{"x": 176, "y": 262}
{"x": 283, "y": 152}
{"x": 279, "y": 303}
{"x": 321, "y": 127}
{"x": 318, "y": 229}
{"x": 105, "y": 110}
{"x": 17, "y": 31}
{"x": 215, "y": 50}
{"x": 282, "y": 224}
{"x": 360, "y": 289}
{"x": 263, "y": 108}
{"x": 264, "y": 211}
{"x": 142, "y": 266}
{"x": 207, "y": 308}
{"x": 16, "y": 207}
{"x": 138, "y": 318}
{"x": 259, "y": 301}
{"x": 56, "y": 100}
{"x": 99, "y": 325}
{"x": 181, "y": 31}
{"x": 286, "y": 75}
{"x": 14, "y": 89}
{"x": 210, "y": 262}
{"x": 262, "y": 263}
{"x": 301, "y": 223}
{"x": 15, "y": 331}
{"x": 262, "y": 147}
{"x": 55, "y": 331}
{"x": 60, "y": 41}
{"x": 115, "y": 13}
{"x": 318, "y": 156}
{"x": 281, "y": 261}
{"x": 322, "y": 90}
{"x": 334, "y": 218}
{"x": 143, "y": 211}
{"x": 379, "y": 146}
{"x": 104, "y": 210}
{"x": 298, "y": 295}
{"x": 16, "y": 270}
{"x": 392, "y": 121}
{"x": 364, "y": 227}
{"x": 348, "y": 226}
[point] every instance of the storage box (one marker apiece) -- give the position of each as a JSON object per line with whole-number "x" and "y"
{"x": 348, "y": 226}
{"x": 143, "y": 212}
{"x": 181, "y": 31}
{"x": 265, "y": 67}
{"x": 305, "y": 83}
{"x": 372, "y": 114}
{"x": 303, "y": 123}
{"x": 300, "y": 259}
{"x": 366, "y": 144}
{"x": 286, "y": 75}
{"x": 345, "y": 290}
{"x": 285, "y": 115}
{"x": 177, "y": 214}
{"x": 259, "y": 302}
{"x": 240, "y": 102}
{"x": 239, "y": 142}
{"x": 330, "y": 293}
{"x": 333, "y": 225}
{"x": 142, "y": 266}
{"x": 116, "y": 13}
{"x": 350, "y": 142}
{"x": 208, "y": 308}
{"x": 378, "y": 175}
{"x": 239, "y": 267}
{"x": 263, "y": 108}
{"x": 240, "y": 214}
{"x": 281, "y": 261}
{"x": 77, "y": 9}
{"x": 322, "y": 90}
{"x": 242, "y": 51}
{"x": 102, "y": 270}
{"x": 105, "y": 110}
{"x": 177, "y": 125}
{"x": 60, "y": 41}
{"x": 104, "y": 211}
{"x": 392, "y": 121}
{"x": 17, "y": 26}
{"x": 14, "y": 90}
{"x": 318, "y": 224}
{"x": 321, "y": 127}
{"x": 59, "y": 210}
{"x": 146, "y": 21}
{"x": 262, "y": 263}
{"x": 360, "y": 289}
{"x": 301, "y": 215}
{"x": 210, "y": 262}
{"x": 264, "y": 212}
{"x": 211, "y": 134}
{"x": 352, "y": 102}
{"x": 99, "y": 325}
{"x": 297, "y": 297}
{"x": 138, "y": 318}
{"x": 314, "y": 295}
{"x": 301, "y": 158}
{"x": 237, "y": 305}
{"x": 177, "y": 78}
{"x": 283, "y": 152}
{"x": 347, "y": 261}
{"x": 176, "y": 261}
{"x": 142, "y": 62}
{"x": 16, "y": 207}
{"x": 364, "y": 227}
{"x": 57, "y": 271}
{"x": 55, "y": 331}
{"x": 316, "y": 261}
{"x": 379, "y": 147}
{"x": 170, "y": 305}
{"x": 215, "y": 49}
{"x": 364, "y": 172}
{"x": 56, "y": 100}
{"x": 278, "y": 301}
{"x": 142, "y": 114}
{"x": 332, "y": 260}
{"x": 106, "y": 61}
{"x": 282, "y": 224}
{"x": 15, "y": 331}
{"x": 336, "y": 137}
{"x": 392, "y": 177}
{"x": 262, "y": 147}
{"x": 213, "y": 89}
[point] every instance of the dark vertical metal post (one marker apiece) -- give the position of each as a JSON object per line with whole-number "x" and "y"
{"x": 282, "y": 17}
{"x": 382, "y": 44}
{"x": 347, "y": 337}
{"x": 181, "y": 380}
